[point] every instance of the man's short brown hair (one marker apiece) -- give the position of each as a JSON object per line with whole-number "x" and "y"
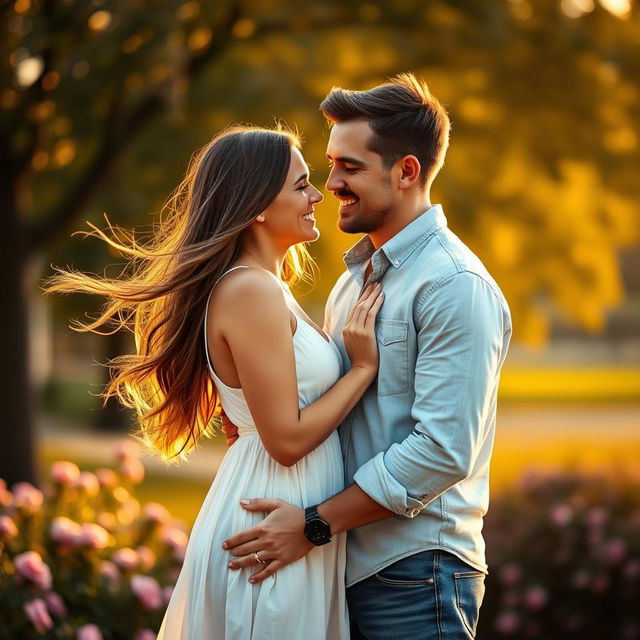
{"x": 406, "y": 119}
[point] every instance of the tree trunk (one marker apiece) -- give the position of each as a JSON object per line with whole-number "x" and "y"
{"x": 114, "y": 417}
{"x": 16, "y": 418}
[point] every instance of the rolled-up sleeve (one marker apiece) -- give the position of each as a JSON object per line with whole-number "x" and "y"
{"x": 461, "y": 338}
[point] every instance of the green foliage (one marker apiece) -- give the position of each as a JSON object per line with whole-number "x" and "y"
{"x": 541, "y": 177}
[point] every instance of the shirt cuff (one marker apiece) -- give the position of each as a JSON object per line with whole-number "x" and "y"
{"x": 374, "y": 479}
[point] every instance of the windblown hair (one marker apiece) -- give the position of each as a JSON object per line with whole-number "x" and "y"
{"x": 405, "y": 118}
{"x": 161, "y": 293}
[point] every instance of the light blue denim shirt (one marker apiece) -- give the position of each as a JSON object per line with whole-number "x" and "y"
{"x": 419, "y": 442}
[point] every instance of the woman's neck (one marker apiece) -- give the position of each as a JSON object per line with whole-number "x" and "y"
{"x": 260, "y": 253}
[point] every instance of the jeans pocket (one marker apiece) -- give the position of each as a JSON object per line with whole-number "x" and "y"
{"x": 407, "y": 572}
{"x": 393, "y": 371}
{"x": 469, "y": 587}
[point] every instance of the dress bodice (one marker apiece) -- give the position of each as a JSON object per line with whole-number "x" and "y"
{"x": 317, "y": 369}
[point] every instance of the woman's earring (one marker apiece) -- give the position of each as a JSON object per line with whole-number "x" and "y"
{"x": 260, "y": 218}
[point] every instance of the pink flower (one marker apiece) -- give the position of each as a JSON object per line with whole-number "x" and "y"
{"x": 37, "y": 614}
{"x": 615, "y": 551}
{"x": 561, "y": 514}
{"x": 30, "y": 565}
{"x": 8, "y": 529}
{"x": 88, "y": 482}
{"x": 173, "y": 537}
{"x": 65, "y": 531}
{"x": 632, "y": 569}
{"x": 55, "y": 604}
{"x": 27, "y": 498}
{"x": 126, "y": 558}
{"x": 580, "y": 579}
{"x": 88, "y": 632}
{"x": 507, "y": 622}
{"x": 110, "y": 571}
{"x": 600, "y": 584}
{"x": 145, "y": 634}
{"x": 156, "y": 513}
{"x": 147, "y": 557}
{"x": 132, "y": 470}
{"x": 107, "y": 477}
{"x": 167, "y": 592}
{"x": 126, "y": 450}
{"x": 94, "y": 536}
{"x": 176, "y": 540}
{"x": 64, "y": 472}
{"x": 535, "y": 598}
{"x": 510, "y": 574}
{"x": 597, "y": 516}
{"x": 147, "y": 590}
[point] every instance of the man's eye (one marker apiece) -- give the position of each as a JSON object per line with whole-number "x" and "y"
{"x": 351, "y": 169}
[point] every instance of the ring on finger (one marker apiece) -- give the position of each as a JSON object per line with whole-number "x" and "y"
{"x": 256, "y": 555}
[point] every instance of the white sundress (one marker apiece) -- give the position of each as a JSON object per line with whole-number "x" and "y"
{"x": 303, "y": 601}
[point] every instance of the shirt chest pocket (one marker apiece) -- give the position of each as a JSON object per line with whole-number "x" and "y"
{"x": 393, "y": 374}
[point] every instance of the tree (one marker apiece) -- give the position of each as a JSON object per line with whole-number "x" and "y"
{"x": 544, "y": 106}
{"x": 81, "y": 85}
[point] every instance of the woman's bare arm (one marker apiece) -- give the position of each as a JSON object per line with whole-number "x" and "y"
{"x": 256, "y": 327}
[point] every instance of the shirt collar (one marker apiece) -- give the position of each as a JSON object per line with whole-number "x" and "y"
{"x": 398, "y": 248}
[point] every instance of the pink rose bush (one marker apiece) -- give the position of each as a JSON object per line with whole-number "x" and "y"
{"x": 564, "y": 558}
{"x": 82, "y": 559}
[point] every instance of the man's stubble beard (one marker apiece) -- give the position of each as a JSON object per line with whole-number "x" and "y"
{"x": 363, "y": 223}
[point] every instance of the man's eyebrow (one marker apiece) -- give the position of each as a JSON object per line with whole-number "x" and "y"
{"x": 347, "y": 160}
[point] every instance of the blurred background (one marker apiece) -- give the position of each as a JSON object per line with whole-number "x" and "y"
{"x": 102, "y": 104}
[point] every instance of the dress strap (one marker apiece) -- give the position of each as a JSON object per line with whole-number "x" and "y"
{"x": 206, "y": 309}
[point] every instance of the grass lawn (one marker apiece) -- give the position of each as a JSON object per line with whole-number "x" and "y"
{"x": 570, "y": 385}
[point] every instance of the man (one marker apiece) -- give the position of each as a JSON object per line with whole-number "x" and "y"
{"x": 418, "y": 445}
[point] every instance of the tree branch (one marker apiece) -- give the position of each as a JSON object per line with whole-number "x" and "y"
{"x": 114, "y": 142}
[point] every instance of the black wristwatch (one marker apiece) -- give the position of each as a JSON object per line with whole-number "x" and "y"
{"x": 316, "y": 529}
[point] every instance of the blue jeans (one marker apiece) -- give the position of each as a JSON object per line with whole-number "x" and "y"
{"x": 431, "y": 595}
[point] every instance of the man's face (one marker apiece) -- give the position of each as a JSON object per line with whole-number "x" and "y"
{"x": 358, "y": 178}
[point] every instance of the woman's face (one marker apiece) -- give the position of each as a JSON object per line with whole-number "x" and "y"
{"x": 289, "y": 218}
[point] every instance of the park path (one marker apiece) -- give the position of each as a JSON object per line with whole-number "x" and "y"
{"x": 533, "y": 436}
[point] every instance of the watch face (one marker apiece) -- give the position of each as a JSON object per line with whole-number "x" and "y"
{"x": 317, "y": 531}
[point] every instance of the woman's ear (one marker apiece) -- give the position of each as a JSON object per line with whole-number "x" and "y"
{"x": 409, "y": 171}
{"x": 260, "y": 218}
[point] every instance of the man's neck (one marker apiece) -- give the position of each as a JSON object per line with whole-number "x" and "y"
{"x": 397, "y": 221}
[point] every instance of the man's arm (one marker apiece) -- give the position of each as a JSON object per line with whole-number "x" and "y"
{"x": 460, "y": 351}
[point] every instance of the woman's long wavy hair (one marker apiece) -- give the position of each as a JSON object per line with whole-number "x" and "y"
{"x": 161, "y": 294}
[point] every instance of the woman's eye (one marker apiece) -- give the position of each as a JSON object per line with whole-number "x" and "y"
{"x": 302, "y": 187}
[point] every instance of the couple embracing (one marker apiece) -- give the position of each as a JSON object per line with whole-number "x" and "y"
{"x": 351, "y": 503}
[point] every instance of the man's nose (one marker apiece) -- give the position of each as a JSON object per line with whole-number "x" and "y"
{"x": 333, "y": 182}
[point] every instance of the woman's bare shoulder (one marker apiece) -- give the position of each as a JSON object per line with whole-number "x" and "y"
{"x": 248, "y": 291}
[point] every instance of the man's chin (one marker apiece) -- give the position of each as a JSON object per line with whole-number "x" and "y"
{"x": 351, "y": 225}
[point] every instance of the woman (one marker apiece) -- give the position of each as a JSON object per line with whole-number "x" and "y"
{"x": 208, "y": 300}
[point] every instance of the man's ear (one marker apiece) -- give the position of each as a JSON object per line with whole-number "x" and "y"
{"x": 409, "y": 171}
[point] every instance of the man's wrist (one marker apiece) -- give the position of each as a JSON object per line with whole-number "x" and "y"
{"x": 316, "y": 530}
{"x": 327, "y": 514}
